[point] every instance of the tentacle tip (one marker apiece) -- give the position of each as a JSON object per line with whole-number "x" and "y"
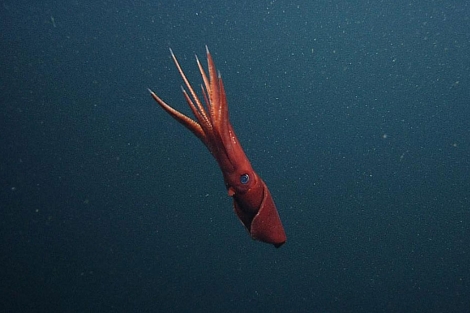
{"x": 150, "y": 90}
{"x": 171, "y": 51}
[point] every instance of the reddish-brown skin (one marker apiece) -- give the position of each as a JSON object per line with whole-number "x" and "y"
{"x": 252, "y": 200}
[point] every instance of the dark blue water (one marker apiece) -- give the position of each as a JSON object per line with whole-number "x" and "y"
{"x": 355, "y": 113}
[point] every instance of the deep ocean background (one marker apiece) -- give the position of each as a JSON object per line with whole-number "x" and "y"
{"x": 355, "y": 113}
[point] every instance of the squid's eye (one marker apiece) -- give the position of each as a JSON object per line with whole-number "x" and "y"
{"x": 244, "y": 179}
